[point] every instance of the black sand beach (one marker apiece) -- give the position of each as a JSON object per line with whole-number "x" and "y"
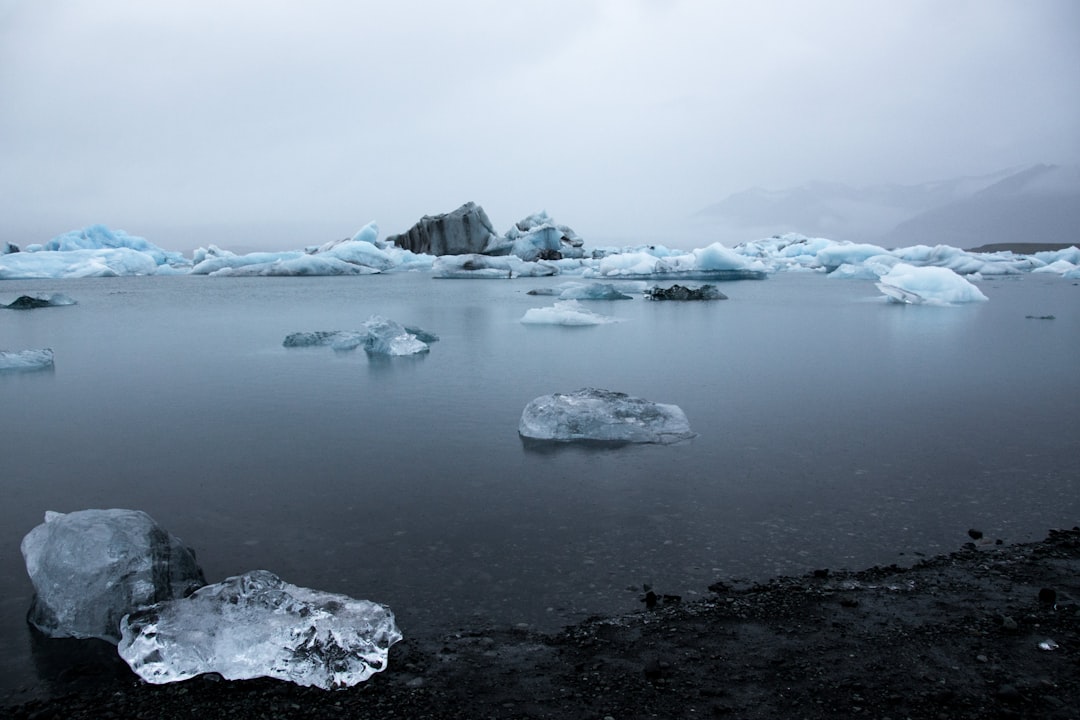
{"x": 989, "y": 631}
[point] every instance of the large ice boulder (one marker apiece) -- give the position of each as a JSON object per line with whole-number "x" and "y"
{"x": 91, "y": 567}
{"x": 38, "y": 359}
{"x": 257, "y": 625}
{"x": 913, "y": 285}
{"x": 462, "y": 231}
{"x": 602, "y": 415}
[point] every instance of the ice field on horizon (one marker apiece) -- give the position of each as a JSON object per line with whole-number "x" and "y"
{"x": 97, "y": 251}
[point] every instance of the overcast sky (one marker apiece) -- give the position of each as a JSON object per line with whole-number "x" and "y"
{"x": 272, "y": 124}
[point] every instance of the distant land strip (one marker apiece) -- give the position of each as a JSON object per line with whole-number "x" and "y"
{"x": 1021, "y": 248}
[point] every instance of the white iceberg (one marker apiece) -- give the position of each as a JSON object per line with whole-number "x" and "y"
{"x": 91, "y": 567}
{"x": 257, "y": 625}
{"x": 485, "y": 267}
{"x": 62, "y": 264}
{"x": 714, "y": 262}
{"x": 565, "y": 312}
{"x": 602, "y": 415}
{"x": 38, "y": 359}
{"x": 909, "y": 284}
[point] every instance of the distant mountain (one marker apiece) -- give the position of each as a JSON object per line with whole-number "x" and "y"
{"x": 1040, "y": 203}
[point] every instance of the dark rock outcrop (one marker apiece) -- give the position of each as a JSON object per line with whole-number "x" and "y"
{"x": 465, "y": 230}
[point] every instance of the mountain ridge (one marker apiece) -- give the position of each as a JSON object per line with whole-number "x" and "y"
{"x": 1037, "y": 203}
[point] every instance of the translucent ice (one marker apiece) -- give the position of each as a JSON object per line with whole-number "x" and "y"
{"x": 604, "y": 415}
{"x": 91, "y": 567}
{"x": 565, "y": 312}
{"x": 378, "y": 336}
{"x": 386, "y": 337}
{"x": 26, "y": 359}
{"x": 927, "y": 285}
{"x": 257, "y": 625}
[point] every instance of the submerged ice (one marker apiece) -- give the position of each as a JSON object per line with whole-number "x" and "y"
{"x": 602, "y": 415}
{"x": 257, "y": 625}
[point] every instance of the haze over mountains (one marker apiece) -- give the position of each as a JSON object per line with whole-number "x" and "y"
{"x": 1033, "y": 204}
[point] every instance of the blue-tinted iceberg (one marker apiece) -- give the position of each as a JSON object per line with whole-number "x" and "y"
{"x": 592, "y": 414}
{"x": 927, "y": 285}
{"x": 94, "y": 251}
{"x": 257, "y": 625}
{"x": 378, "y": 336}
{"x": 37, "y": 359}
{"x": 565, "y": 312}
{"x": 487, "y": 267}
{"x": 714, "y": 262}
{"x": 91, "y": 567}
{"x": 593, "y": 291}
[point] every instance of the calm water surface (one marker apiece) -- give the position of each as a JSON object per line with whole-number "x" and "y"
{"x": 834, "y": 431}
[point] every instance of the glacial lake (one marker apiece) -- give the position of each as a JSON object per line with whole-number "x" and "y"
{"x": 834, "y": 431}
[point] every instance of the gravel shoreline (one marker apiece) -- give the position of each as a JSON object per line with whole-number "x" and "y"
{"x": 955, "y": 636}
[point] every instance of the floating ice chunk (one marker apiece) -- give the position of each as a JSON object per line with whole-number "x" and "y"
{"x": 386, "y": 337}
{"x": 13, "y": 360}
{"x": 602, "y": 415}
{"x": 485, "y": 267}
{"x": 927, "y": 285}
{"x": 99, "y": 237}
{"x": 565, "y": 312}
{"x": 299, "y": 266}
{"x": 593, "y": 291}
{"x": 76, "y": 264}
{"x": 1061, "y": 267}
{"x": 31, "y": 302}
{"x": 840, "y": 253}
{"x": 680, "y": 292}
{"x": 256, "y": 625}
{"x": 91, "y": 567}
{"x": 379, "y": 336}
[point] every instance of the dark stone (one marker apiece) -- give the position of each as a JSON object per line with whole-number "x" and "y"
{"x": 461, "y": 232}
{"x": 1048, "y": 596}
{"x": 975, "y": 534}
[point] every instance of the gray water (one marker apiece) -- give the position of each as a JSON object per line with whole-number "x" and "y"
{"x": 835, "y": 430}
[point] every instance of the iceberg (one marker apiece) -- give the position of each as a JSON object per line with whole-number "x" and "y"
{"x": 486, "y": 267}
{"x": 13, "y": 360}
{"x": 602, "y": 415}
{"x": 913, "y": 285}
{"x": 714, "y": 262}
{"x": 32, "y": 302}
{"x": 62, "y": 264}
{"x": 91, "y": 567}
{"x": 565, "y": 312}
{"x": 593, "y": 291}
{"x": 679, "y": 292}
{"x": 257, "y": 625}
{"x": 538, "y": 237}
{"x": 379, "y": 336}
{"x": 99, "y": 237}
